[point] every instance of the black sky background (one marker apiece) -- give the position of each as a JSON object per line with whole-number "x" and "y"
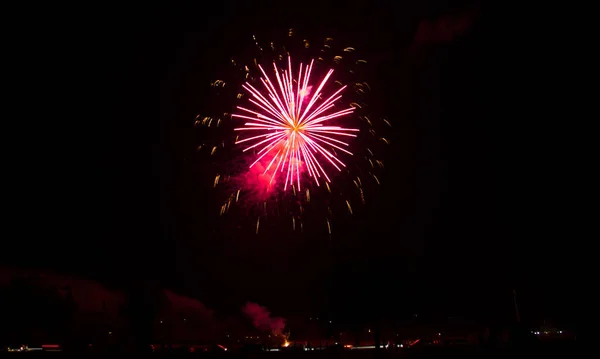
{"x": 108, "y": 186}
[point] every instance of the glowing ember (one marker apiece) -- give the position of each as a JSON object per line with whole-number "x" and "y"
{"x": 293, "y": 125}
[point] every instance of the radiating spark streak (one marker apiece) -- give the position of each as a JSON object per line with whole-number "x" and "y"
{"x": 271, "y": 89}
{"x": 332, "y": 145}
{"x": 327, "y": 156}
{"x": 258, "y": 115}
{"x": 331, "y": 139}
{"x": 327, "y": 103}
{"x": 255, "y": 137}
{"x": 312, "y": 171}
{"x": 316, "y": 120}
{"x": 316, "y": 94}
{"x": 334, "y": 132}
{"x": 257, "y": 95}
{"x": 298, "y": 91}
{"x": 259, "y": 143}
{"x": 264, "y": 122}
{"x": 294, "y": 134}
{"x": 270, "y": 163}
{"x": 264, "y": 154}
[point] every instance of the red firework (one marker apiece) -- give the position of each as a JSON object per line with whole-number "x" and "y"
{"x": 295, "y": 134}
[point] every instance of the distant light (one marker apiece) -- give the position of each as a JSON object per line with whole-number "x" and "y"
{"x": 439, "y": 333}
{"x": 161, "y": 322}
{"x": 560, "y": 332}
{"x": 109, "y": 333}
{"x": 330, "y": 322}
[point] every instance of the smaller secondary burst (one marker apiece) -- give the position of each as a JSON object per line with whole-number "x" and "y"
{"x": 293, "y": 125}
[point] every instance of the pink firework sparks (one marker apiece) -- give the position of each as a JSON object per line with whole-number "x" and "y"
{"x": 293, "y": 133}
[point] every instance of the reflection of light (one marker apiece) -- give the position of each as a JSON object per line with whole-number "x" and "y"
{"x": 286, "y": 344}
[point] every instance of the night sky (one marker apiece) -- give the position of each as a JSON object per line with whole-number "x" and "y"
{"x": 111, "y": 189}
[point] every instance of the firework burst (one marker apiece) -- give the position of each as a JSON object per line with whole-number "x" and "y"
{"x": 302, "y": 148}
{"x": 295, "y": 125}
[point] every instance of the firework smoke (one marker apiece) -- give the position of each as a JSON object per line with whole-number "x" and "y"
{"x": 262, "y": 319}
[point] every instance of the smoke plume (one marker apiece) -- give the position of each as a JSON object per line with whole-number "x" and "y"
{"x": 262, "y": 319}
